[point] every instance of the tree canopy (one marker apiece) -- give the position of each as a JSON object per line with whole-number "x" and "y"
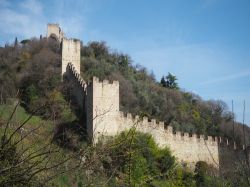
{"x": 30, "y": 74}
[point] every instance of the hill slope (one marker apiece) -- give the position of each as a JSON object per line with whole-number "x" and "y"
{"x": 30, "y": 72}
{"x": 32, "y": 69}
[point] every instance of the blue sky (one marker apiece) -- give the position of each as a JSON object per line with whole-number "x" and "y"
{"x": 205, "y": 43}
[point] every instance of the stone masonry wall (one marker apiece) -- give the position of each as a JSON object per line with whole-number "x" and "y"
{"x": 78, "y": 85}
{"x": 104, "y": 97}
{"x": 107, "y": 120}
{"x": 71, "y": 54}
{"x": 99, "y": 101}
{"x": 55, "y": 30}
{"x": 71, "y": 48}
{"x": 187, "y": 148}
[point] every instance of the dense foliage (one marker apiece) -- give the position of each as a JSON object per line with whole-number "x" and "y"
{"x": 134, "y": 159}
{"x": 140, "y": 93}
{"x": 27, "y": 155}
{"x": 30, "y": 72}
{"x": 170, "y": 81}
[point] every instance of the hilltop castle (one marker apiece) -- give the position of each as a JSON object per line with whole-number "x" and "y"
{"x": 99, "y": 101}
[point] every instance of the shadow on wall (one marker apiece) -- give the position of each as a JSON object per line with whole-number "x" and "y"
{"x": 233, "y": 161}
{"x": 74, "y": 93}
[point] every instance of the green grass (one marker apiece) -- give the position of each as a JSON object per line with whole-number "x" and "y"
{"x": 19, "y": 116}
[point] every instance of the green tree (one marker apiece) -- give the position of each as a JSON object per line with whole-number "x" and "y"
{"x": 139, "y": 159}
{"x": 16, "y": 42}
{"x": 171, "y": 81}
{"x": 201, "y": 168}
{"x": 163, "y": 82}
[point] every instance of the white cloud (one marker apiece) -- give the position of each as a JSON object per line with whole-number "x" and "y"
{"x": 11, "y": 21}
{"x": 26, "y": 19}
{"x": 29, "y": 18}
{"x": 70, "y": 16}
{"x": 15, "y": 21}
{"x": 228, "y": 77}
{"x": 72, "y": 26}
{"x": 32, "y": 5}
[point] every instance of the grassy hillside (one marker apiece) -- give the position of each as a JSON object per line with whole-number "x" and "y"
{"x": 19, "y": 116}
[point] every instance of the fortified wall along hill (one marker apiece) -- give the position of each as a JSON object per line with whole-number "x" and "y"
{"x": 99, "y": 103}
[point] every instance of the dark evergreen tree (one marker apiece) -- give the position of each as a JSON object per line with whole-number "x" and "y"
{"x": 171, "y": 81}
{"x": 163, "y": 82}
{"x": 16, "y": 42}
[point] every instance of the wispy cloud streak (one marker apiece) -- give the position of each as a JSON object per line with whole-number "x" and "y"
{"x": 33, "y": 6}
{"x": 24, "y": 19}
{"x": 227, "y": 78}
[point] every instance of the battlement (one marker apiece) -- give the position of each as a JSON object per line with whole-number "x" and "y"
{"x": 105, "y": 82}
{"x": 71, "y": 40}
{"x": 99, "y": 101}
{"x": 149, "y": 125}
{"x": 105, "y": 94}
{"x": 77, "y": 76}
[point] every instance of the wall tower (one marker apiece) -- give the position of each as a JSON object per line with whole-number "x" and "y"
{"x": 54, "y": 31}
{"x": 71, "y": 48}
{"x": 99, "y": 102}
{"x": 71, "y": 53}
{"x": 102, "y": 107}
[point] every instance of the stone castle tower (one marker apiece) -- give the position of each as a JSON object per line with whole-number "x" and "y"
{"x": 99, "y": 101}
{"x": 54, "y": 31}
{"x": 71, "y": 48}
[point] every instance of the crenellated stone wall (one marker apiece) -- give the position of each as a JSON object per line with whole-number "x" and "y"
{"x": 77, "y": 85}
{"x": 99, "y": 101}
{"x": 104, "y": 108}
{"x": 105, "y": 119}
{"x": 188, "y": 148}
